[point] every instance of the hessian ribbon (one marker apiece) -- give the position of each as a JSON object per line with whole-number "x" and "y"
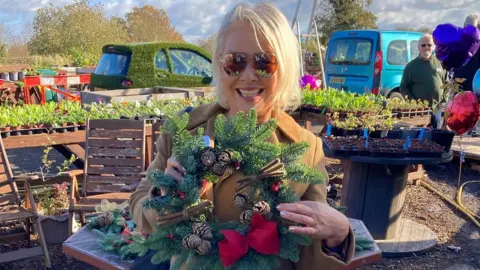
{"x": 262, "y": 237}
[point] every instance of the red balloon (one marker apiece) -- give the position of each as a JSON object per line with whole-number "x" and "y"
{"x": 462, "y": 112}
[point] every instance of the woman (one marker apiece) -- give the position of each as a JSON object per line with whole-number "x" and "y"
{"x": 256, "y": 65}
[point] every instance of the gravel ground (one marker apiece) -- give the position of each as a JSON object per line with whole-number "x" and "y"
{"x": 421, "y": 205}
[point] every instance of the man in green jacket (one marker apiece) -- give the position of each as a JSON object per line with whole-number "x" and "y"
{"x": 423, "y": 78}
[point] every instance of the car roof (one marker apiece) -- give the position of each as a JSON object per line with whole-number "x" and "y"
{"x": 378, "y": 31}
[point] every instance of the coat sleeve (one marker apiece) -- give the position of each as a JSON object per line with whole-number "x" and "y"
{"x": 406, "y": 83}
{"x": 316, "y": 256}
{"x": 146, "y": 218}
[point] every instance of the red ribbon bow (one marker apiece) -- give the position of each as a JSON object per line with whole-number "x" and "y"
{"x": 262, "y": 237}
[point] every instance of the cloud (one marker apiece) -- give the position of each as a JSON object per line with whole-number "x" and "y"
{"x": 196, "y": 19}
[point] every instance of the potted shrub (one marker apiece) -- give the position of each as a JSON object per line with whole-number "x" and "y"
{"x": 53, "y": 203}
{"x": 53, "y": 210}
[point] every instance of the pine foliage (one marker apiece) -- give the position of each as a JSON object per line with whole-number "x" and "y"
{"x": 250, "y": 149}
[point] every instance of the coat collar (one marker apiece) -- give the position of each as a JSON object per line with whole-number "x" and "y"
{"x": 204, "y": 114}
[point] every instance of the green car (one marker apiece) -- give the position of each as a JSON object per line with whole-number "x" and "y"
{"x": 144, "y": 65}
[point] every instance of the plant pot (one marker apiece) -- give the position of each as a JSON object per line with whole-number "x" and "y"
{"x": 64, "y": 124}
{"x": 55, "y": 228}
{"x": 413, "y": 133}
{"x": 5, "y": 129}
{"x": 379, "y": 134}
{"x": 15, "y": 128}
{"x": 394, "y": 134}
{"x": 444, "y": 138}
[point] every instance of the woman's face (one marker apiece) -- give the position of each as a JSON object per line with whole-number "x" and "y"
{"x": 249, "y": 88}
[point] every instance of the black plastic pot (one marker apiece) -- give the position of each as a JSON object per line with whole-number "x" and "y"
{"x": 444, "y": 138}
{"x": 413, "y": 133}
{"x": 394, "y": 134}
{"x": 378, "y": 134}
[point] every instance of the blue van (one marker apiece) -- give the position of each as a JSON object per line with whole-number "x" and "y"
{"x": 369, "y": 61}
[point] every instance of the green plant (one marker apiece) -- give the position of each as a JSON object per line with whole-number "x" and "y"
{"x": 54, "y": 201}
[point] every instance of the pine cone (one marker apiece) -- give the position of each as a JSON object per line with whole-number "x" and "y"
{"x": 191, "y": 241}
{"x": 240, "y": 200}
{"x": 246, "y": 216}
{"x": 204, "y": 247}
{"x": 108, "y": 218}
{"x": 101, "y": 220}
{"x": 208, "y": 158}
{"x": 225, "y": 156}
{"x": 202, "y": 230}
{"x": 261, "y": 207}
{"x": 219, "y": 168}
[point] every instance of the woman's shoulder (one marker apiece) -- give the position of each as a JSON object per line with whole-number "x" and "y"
{"x": 293, "y": 130}
{"x": 199, "y": 115}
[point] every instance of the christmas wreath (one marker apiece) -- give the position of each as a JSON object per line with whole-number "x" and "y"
{"x": 188, "y": 231}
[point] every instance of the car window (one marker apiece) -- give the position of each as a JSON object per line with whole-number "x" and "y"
{"x": 397, "y": 53}
{"x": 414, "y": 48}
{"x": 161, "y": 60}
{"x": 190, "y": 63}
{"x": 350, "y": 51}
{"x": 113, "y": 64}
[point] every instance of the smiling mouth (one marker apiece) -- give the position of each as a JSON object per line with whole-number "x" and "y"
{"x": 250, "y": 93}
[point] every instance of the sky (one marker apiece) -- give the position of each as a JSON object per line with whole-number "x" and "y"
{"x": 196, "y": 19}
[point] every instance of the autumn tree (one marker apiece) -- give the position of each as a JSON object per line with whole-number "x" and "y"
{"x": 344, "y": 15}
{"x": 148, "y": 24}
{"x": 207, "y": 43}
{"x": 75, "y": 29}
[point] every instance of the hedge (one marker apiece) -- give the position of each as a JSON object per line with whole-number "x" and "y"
{"x": 142, "y": 71}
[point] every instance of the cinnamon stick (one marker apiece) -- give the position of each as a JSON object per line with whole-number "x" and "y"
{"x": 186, "y": 214}
{"x": 275, "y": 168}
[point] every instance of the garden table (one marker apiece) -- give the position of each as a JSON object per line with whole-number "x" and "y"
{"x": 83, "y": 246}
{"x": 374, "y": 192}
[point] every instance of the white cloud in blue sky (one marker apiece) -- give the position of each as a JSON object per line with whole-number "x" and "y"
{"x": 200, "y": 18}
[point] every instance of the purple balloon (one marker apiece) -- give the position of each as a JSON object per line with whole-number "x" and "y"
{"x": 455, "y": 46}
{"x": 309, "y": 79}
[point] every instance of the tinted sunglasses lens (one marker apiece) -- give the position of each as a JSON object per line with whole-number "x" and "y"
{"x": 265, "y": 64}
{"x": 425, "y": 45}
{"x": 234, "y": 63}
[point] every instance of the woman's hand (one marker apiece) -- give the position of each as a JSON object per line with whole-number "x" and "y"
{"x": 321, "y": 221}
{"x": 175, "y": 170}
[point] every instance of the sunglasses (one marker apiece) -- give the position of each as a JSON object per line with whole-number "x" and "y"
{"x": 265, "y": 64}
{"x": 425, "y": 45}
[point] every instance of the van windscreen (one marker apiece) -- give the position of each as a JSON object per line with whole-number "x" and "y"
{"x": 350, "y": 51}
{"x": 113, "y": 64}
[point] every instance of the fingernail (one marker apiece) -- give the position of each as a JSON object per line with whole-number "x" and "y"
{"x": 283, "y": 213}
{"x": 291, "y": 229}
{"x": 279, "y": 207}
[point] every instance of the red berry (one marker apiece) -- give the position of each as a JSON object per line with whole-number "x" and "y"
{"x": 181, "y": 195}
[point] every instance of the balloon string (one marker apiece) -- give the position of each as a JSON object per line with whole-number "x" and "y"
{"x": 462, "y": 160}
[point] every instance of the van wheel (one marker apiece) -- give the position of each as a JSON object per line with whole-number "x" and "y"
{"x": 393, "y": 95}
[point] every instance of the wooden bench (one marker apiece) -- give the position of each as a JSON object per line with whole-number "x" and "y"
{"x": 84, "y": 247}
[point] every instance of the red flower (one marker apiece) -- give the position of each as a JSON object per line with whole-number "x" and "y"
{"x": 171, "y": 236}
{"x": 181, "y": 195}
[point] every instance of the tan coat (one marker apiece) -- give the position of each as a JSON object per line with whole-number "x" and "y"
{"x": 288, "y": 131}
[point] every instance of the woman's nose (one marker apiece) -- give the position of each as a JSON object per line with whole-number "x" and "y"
{"x": 249, "y": 74}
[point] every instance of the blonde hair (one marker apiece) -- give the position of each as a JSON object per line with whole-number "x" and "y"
{"x": 268, "y": 21}
{"x": 471, "y": 19}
